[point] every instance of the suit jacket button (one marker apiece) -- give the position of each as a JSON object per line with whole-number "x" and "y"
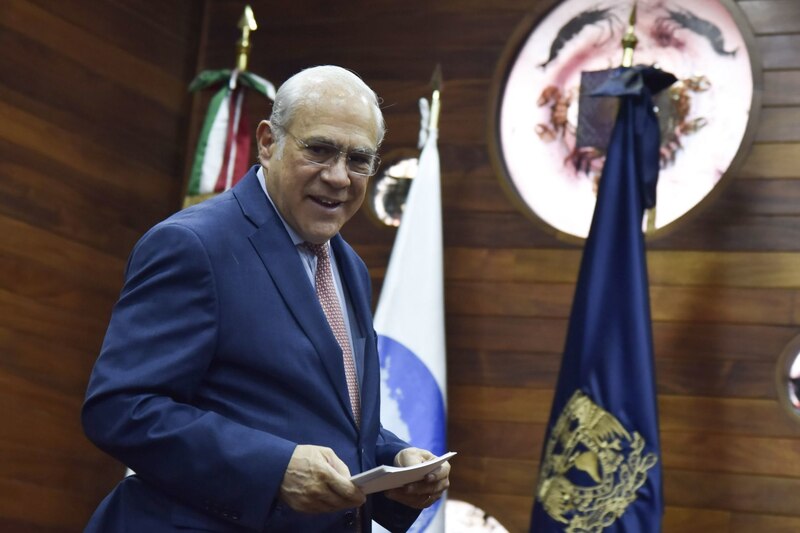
{"x": 235, "y": 516}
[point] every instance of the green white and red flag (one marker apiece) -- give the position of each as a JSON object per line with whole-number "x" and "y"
{"x": 223, "y": 148}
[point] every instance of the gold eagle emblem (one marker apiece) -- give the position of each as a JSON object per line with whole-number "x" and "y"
{"x": 592, "y": 467}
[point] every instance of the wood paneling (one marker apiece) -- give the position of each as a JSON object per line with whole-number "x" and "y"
{"x": 94, "y": 52}
{"x": 517, "y": 445}
{"x": 93, "y": 125}
{"x": 743, "y": 493}
{"x": 772, "y": 16}
{"x": 745, "y": 523}
{"x": 724, "y": 375}
{"x": 777, "y": 51}
{"x": 667, "y": 267}
{"x": 728, "y": 415}
{"x": 782, "y": 88}
{"x": 678, "y": 340}
{"x": 725, "y": 283}
{"x": 772, "y": 161}
{"x": 682, "y": 304}
{"x": 777, "y": 124}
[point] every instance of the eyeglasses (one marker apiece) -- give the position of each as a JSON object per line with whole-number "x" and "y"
{"x": 359, "y": 163}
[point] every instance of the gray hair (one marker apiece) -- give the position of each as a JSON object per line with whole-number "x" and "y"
{"x": 302, "y": 87}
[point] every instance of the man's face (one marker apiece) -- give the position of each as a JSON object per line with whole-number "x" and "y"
{"x": 317, "y": 201}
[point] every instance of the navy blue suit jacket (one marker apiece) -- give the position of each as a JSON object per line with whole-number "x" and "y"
{"x": 217, "y": 362}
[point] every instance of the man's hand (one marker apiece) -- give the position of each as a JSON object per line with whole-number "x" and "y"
{"x": 426, "y": 492}
{"x": 317, "y": 481}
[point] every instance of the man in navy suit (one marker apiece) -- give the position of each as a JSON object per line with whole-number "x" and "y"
{"x": 220, "y": 381}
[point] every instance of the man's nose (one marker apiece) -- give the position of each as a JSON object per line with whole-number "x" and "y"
{"x": 336, "y": 173}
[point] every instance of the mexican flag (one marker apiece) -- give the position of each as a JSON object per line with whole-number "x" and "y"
{"x": 223, "y": 149}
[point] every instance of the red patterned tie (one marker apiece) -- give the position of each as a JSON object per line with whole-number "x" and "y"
{"x": 326, "y": 292}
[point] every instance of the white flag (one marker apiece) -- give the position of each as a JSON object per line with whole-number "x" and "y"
{"x": 410, "y": 325}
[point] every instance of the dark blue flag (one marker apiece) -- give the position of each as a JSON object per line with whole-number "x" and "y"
{"x": 601, "y": 463}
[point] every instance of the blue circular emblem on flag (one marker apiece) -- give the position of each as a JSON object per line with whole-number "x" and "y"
{"x": 420, "y": 402}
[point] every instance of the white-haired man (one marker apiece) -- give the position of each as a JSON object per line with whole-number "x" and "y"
{"x": 239, "y": 377}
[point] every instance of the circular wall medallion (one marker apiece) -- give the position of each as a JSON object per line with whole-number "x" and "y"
{"x": 549, "y": 135}
{"x": 787, "y": 378}
{"x": 389, "y": 188}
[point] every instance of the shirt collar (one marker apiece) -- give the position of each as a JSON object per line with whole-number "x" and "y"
{"x": 296, "y": 239}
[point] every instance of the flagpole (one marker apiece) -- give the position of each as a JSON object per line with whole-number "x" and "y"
{"x": 223, "y": 147}
{"x": 436, "y": 81}
{"x": 409, "y": 319}
{"x": 247, "y": 24}
{"x": 629, "y": 42}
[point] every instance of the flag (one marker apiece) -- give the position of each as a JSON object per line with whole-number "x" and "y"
{"x": 222, "y": 156}
{"x": 409, "y": 322}
{"x": 600, "y": 468}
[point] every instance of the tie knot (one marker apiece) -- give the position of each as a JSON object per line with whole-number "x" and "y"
{"x": 320, "y": 250}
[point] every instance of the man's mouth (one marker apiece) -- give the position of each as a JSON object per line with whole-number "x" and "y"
{"x": 324, "y": 202}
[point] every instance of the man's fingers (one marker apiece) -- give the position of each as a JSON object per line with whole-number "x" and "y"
{"x": 348, "y": 494}
{"x": 317, "y": 481}
{"x": 336, "y": 463}
{"x": 339, "y": 480}
{"x": 412, "y": 456}
{"x": 443, "y": 472}
{"x": 424, "y": 493}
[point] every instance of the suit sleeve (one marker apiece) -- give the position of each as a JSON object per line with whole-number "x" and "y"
{"x": 160, "y": 342}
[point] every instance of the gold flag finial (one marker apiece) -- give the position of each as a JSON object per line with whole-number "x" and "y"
{"x": 436, "y": 82}
{"x": 629, "y": 40}
{"x": 247, "y": 24}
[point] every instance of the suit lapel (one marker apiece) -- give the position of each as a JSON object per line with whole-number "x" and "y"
{"x": 279, "y": 256}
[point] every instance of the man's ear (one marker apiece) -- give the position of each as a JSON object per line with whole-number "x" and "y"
{"x": 265, "y": 140}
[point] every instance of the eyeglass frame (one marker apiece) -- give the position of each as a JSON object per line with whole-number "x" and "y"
{"x": 376, "y": 160}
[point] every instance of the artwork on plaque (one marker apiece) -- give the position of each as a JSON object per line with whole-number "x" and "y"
{"x": 551, "y": 136}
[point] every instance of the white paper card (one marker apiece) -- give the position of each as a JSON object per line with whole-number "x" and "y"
{"x": 386, "y": 477}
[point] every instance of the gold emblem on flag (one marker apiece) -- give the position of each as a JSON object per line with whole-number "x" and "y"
{"x": 589, "y": 444}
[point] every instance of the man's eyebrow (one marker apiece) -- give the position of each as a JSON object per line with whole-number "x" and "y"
{"x": 321, "y": 139}
{"x": 364, "y": 150}
{"x": 327, "y": 140}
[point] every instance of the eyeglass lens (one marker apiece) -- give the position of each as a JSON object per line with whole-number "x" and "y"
{"x": 321, "y": 153}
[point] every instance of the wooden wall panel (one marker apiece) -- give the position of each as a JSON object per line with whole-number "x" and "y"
{"x": 94, "y": 116}
{"x": 771, "y": 161}
{"x": 725, "y": 284}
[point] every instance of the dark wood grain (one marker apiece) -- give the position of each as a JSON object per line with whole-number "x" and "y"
{"x": 90, "y": 51}
{"x": 487, "y": 441}
{"x": 695, "y": 376}
{"x": 777, "y": 51}
{"x": 777, "y": 124}
{"x": 744, "y": 523}
{"x": 108, "y": 220}
{"x": 782, "y": 88}
{"x": 730, "y": 416}
{"x": 666, "y": 267}
{"x": 772, "y": 160}
{"x": 96, "y": 129}
{"x": 121, "y": 24}
{"x": 668, "y": 303}
{"x": 93, "y": 129}
{"x": 736, "y": 492}
{"x": 771, "y": 16}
